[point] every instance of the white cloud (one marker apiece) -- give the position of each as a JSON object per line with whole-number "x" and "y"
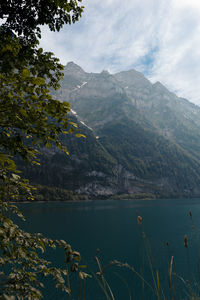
{"x": 158, "y": 37}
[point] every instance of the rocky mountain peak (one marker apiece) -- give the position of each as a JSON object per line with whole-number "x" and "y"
{"x": 159, "y": 87}
{"x": 141, "y": 138}
{"x": 132, "y": 78}
{"x": 73, "y": 69}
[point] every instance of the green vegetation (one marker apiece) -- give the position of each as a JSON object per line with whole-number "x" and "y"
{"x": 32, "y": 119}
{"x": 142, "y": 196}
{"x": 29, "y": 117}
{"x": 126, "y": 159}
{"x": 44, "y": 193}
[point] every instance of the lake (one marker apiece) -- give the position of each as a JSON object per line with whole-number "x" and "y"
{"x": 110, "y": 230}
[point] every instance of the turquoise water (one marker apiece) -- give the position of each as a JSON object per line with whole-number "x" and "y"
{"x": 111, "y": 227}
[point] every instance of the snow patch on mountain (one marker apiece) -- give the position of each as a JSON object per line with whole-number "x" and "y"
{"x": 74, "y": 112}
{"x": 86, "y": 125}
{"x": 80, "y": 86}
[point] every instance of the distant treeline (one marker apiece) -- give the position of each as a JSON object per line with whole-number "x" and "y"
{"x": 47, "y": 193}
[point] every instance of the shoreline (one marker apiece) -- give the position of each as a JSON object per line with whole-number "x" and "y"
{"x": 108, "y": 199}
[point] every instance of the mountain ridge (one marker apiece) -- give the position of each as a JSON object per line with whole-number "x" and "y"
{"x": 141, "y": 138}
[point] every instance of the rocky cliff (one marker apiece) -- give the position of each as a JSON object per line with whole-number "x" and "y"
{"x": 141, "y": 138}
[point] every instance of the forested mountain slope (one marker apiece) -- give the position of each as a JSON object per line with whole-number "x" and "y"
{"x": 141, "y": 138}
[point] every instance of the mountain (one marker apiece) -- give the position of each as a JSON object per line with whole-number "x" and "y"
{"x": 141, "y": 138}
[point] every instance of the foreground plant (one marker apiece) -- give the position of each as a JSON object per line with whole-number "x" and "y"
{"x": 153, "y": 286}
{"x": 29, "y": 118}
{"x": 21, "y": 263}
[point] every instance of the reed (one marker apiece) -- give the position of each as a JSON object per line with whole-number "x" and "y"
{"x": 178, "y": 287}
{"x": 190, "y": 287}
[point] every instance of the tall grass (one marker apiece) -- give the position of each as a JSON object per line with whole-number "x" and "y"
{"x": 179, "y": 288}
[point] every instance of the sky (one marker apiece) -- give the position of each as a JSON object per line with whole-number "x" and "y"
{"x": 160, "y": 38}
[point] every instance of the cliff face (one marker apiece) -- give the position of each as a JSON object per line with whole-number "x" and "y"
{"x": 141, "y": 138}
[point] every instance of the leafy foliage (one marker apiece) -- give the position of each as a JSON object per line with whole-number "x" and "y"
{"x": 27, "y": 110}
{"x": 24, "y": 17}
{"x": 23, "y": 266}
{"x": 29, "y": 117}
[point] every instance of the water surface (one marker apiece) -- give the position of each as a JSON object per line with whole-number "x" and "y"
{"x": 111, "y": 227}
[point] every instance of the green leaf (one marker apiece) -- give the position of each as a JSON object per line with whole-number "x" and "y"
{"x": 25, "y": 73}
{"x": 79, "y": 135}
{"x": 15, "y": 176}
